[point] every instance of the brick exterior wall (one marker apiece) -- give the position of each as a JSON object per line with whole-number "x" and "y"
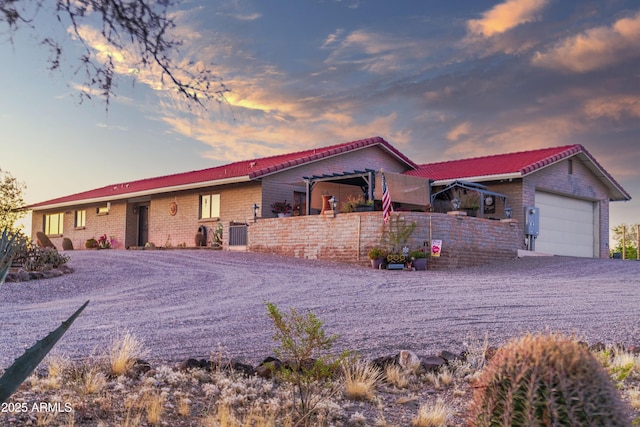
{"x": 111, "y": 224}
{"x": 236, "y": 205}
{"x": 348, "y": 237}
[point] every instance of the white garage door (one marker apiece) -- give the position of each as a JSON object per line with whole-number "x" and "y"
{"x": 566, "y": 225}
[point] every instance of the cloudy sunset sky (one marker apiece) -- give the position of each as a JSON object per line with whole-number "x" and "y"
{"x": 439, "y": 80}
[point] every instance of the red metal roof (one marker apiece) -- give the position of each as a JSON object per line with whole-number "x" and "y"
{"x": 523, "y": 162}
{"x": 238, "y": 171}
{"x": 520, "y": 164}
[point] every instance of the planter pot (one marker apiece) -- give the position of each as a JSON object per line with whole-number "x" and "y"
{"x": 377, "y": 263}
{"x": 471, "y": 211}
{"x": 364, "y": 208}
{"x": 326, "y": 206}
{"x": 284, "y": 215}
{"x": 420, "y": 264}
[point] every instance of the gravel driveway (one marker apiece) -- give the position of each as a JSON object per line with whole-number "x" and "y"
{"x": 189, "y": 303}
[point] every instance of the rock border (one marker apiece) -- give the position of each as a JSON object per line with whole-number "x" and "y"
{"x": 22, "y": 275}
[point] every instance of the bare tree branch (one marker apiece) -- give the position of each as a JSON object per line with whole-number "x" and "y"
{"x": 143, "y": 26}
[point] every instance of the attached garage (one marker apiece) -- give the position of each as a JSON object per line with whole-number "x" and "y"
{"x": 567, "y": 225}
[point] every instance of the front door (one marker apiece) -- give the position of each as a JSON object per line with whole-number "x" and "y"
{"x": 143, "y": 225}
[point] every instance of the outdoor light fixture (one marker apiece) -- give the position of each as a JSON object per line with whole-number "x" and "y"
{"x": 507, "y": 213}
{"x": 334, "y": 204}
{"x": 255, "y": 211}
{"x": 456, "y": 204}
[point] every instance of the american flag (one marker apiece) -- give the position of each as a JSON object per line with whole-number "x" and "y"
{"x": 386, "y": 201}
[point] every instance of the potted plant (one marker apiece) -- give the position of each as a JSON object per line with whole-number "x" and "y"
{"x": 356, "y": 204}
{"x": 467, "y": 200}
{"x": 216, "y": 238}
{"x": 377, "y": 256}
{"x": 104, "y": 242}
{"x": 418, "y": 259}
{"x": 281, "y": 208}
{"x": 364, "y": 205}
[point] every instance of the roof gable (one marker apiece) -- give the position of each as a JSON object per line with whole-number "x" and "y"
{"x": 241, "y": 171}
{"x": 515, "y": 165}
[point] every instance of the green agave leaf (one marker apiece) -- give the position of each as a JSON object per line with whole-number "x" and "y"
{"x": 10, "y": 244}
{"x": 4, "y": 271}
{"x": 25, "y": 364}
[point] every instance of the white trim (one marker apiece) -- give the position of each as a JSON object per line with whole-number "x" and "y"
{"x": 149, "y": 192}
{"x": 497, "y": 177}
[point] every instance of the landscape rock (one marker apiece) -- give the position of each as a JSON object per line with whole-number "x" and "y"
{"x": 67, "y": 244}
{"x": 432, "y": 363}
{"x": 140, "y": 367}
{"x": 268, "y": 367}
{"x": 450, "y": 357}
{"x": 384, "y": 361}
{"x": 43, "y": 240}
{"x": 408, "y": 360}
{"x": 22, "y": 275}
{"x": 192, "y": 363}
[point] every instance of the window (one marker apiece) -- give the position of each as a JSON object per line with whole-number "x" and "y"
{"x": 81, "y": 219}
{"x": 53, "y": 223}
{"x": 570, "y": 166}
{"x": 209, "y": 206}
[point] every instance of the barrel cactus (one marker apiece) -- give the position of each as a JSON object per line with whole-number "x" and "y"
{"x": 545, "y": 380}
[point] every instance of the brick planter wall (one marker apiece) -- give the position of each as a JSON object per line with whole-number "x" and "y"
{"x": 467, "y": 241}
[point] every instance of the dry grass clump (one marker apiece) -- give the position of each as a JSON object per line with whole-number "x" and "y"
{"x": 440, "y": 378}
{"x": 633, "y": 395}
{"x": 154, "y": 407}
{"x": 623, "y": 364}
{"x": 436, "y": 415}
{"x": 184, "y": 406}
{"x": 90, "y": 379}
{"x": 123, "y": 353}
{"x": 360, "y": 379}
{"x": 226, "y": 416}
{"x": 396, "y": 376}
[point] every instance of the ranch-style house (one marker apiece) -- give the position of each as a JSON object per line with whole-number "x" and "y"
{"x": 553, "y": 200}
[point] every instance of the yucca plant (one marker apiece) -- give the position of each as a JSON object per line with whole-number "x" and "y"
{"x": 10, "y": 244}
{"x": 545, "y": 380}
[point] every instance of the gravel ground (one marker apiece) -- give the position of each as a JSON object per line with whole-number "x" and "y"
{"x": 189, "y": 303}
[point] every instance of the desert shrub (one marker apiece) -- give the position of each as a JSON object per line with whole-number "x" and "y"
{"x": 303, "y": 346}
{"x": 42, "y": 259}
{"x": 545, "y": 380}
{"x": 396, "y": 233}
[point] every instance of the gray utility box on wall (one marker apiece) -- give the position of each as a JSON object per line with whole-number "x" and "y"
{"x": 531, "y": 221}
